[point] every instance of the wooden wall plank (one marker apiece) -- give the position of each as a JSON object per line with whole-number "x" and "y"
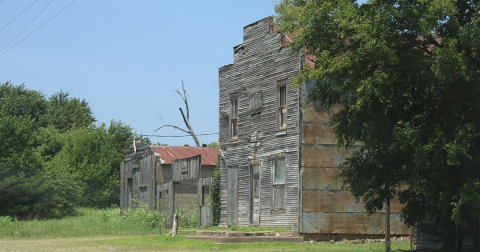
{"x": 257, "y": 68}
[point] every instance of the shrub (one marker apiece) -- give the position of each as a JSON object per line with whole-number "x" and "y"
{"x": 187, "y": 216}
{"x": 215, "y": 197}
{"x": 141, "y": 214}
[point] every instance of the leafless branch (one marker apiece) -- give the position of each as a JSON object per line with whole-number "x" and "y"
{"x": 186, "y": 119}
{"x": 173, "y": 126}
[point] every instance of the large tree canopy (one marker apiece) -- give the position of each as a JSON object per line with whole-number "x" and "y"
{"x": 52, "y": 158}
{"x": 407, "y": 73}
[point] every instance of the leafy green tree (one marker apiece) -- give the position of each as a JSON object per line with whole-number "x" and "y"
{"x": 94, "y": 155}
{"x": 27, "y": 190}
{"x": 406, "y": 72}
{"x": 19, "y": 101}
{"x": 213, "y": 144}
{"x": 52, "y": 158}
{"x": 66, "y": 113}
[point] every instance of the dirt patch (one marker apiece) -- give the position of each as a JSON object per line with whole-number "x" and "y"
{"x": 58, "y": 245}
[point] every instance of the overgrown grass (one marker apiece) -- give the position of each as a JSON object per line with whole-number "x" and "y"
{"x": 87, "y": 223}
{"x": 187, "y": 217}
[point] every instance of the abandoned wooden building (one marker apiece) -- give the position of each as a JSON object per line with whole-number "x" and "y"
{"x": 278, "y": 155}
{"x": 149, "y": 174}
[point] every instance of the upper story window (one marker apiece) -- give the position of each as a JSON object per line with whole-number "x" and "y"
{"x": 282, "y": 106}
{"x": 234, "y": 118}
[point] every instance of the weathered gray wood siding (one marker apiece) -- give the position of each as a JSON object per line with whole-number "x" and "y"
{"x": 139, "y": 168}
{"x": 259, "y": 64}
{"x": 187, "y": 168}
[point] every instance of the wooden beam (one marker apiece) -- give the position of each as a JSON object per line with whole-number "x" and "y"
{"x": 171, "y": 202}
{"x": 199, "y": 201}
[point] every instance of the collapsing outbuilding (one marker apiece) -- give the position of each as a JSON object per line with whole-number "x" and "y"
{"x": 279, "y": 161}
{"x": 150, "y": 174}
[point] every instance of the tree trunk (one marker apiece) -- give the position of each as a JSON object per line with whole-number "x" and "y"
{"x": 459, "y": 238}
{"x": 387, "y": 225}
{"x": 476, "y": 237}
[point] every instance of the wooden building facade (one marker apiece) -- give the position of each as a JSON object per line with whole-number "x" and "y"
{"x": 166, "y": 177}
{"x": 278, "y": 156}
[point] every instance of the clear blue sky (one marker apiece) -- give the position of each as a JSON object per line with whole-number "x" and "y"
{"x": 125, "y": 57}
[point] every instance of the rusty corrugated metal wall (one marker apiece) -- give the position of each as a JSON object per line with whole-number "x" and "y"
{"x": 326, "y": 207}
{"x": 259, "y": 64}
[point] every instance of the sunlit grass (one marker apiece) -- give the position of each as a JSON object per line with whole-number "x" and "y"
{"x": 88, "y": 223}
{"x": 178, "y": 243}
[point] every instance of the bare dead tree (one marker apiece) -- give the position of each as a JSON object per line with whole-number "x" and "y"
{"x": 186, "y": 119}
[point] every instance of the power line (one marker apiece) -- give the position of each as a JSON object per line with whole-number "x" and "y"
{"x": 205, "y": 134}
{"x": 26, "y": 25}
{"x": 38, "y": 27}
{"x": 18, "y": 14}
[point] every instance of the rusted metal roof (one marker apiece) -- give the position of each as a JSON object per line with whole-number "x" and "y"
{"x": 169, "y": 153}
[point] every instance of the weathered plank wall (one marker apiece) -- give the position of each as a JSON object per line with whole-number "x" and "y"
{"x": 186, "y": 168}
{"x": 326, "y": 208}
{"x": 260, "y": 63}
{"x": 137, "y": 176}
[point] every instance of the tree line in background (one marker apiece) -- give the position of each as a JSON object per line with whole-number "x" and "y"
{"x": 407, "y": 74}
{"x": 53, "y": 157}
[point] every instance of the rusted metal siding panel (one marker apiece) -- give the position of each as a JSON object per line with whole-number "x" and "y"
{"x": 326, "y": 207}
{"x": 322, "y": 155}
{"x": 259, "y": 63}
{"x": 337, "y": 201}
{"x": 351, "y": 223}
{"x": 317, "y": 134}
{"x": 316, "y": 113}
{"x": 322, "y": 178}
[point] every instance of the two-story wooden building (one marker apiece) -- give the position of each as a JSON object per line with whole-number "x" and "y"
{"x": 278, "y": 155}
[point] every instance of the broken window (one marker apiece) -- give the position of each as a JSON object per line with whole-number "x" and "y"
{"x": 234, "y": 118}
{"x": 278, "y": 188}
{"x": 282, "y": 107}
{"x": 256, "y": 99}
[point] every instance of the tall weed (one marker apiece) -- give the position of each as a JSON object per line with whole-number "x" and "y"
{"x": 187, "y": 216}
{"x": 5, "y": 221}
{"x": 142, "y": 215}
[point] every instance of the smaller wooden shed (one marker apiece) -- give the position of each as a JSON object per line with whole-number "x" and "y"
{"x": 150, "y": 174}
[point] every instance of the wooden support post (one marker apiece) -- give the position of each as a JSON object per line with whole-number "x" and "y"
{"x": 175, "y": 225}
{"x": 171, "y": 201}
{"x": 199, "y": 201}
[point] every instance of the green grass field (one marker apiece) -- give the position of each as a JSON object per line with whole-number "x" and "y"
{"x": 88, "y": 223}
{"x": 106, "y": 230}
